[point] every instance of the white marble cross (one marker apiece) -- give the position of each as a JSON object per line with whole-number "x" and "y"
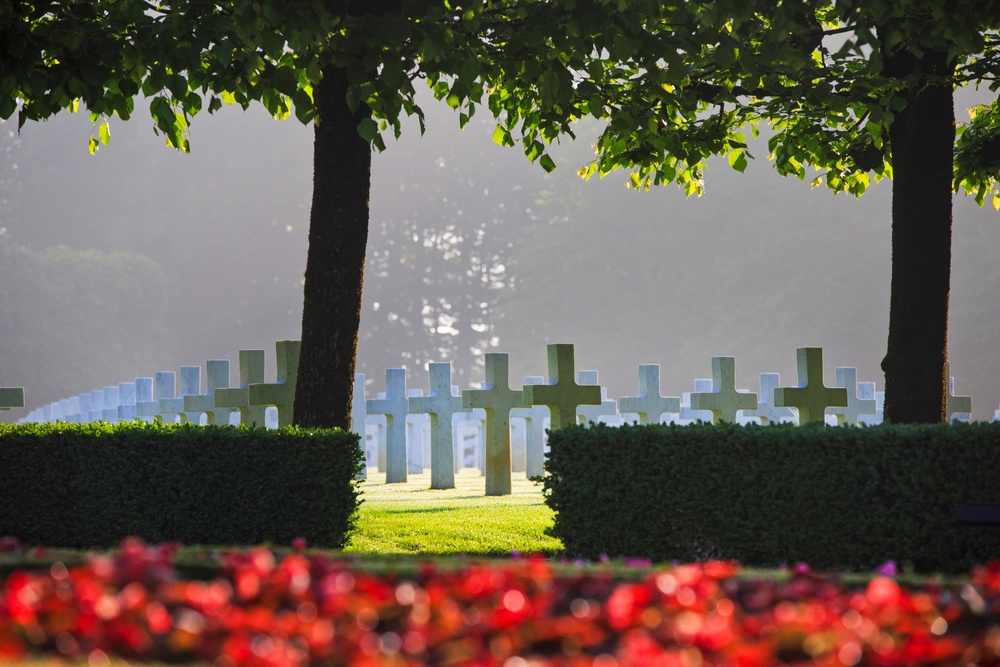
{"x": 497, "y": 399}
{"x": 441, "y": 405}
{"x": 217, "y": 373}
{"x": 238, "y": 398}
{"x": 96, "y": 411}
{"x": 395, "y": 407}
{"x": 190, "y": 386}
{"x": 766, "y": 411}
{"x": 856, "y": 404}
{"x": 811, "y": 397}
{"x": 415, "y": 437}
{"x": 281, "y": 394}
{"x": 148, "y": 393}
{"x": 562, "y": 394}
{"x": 359, "y": 417}
{"x": 109, "y": 412}
{"x": 127, "y": 398}
{"x": 723, "y": 401}
{"x": 649, "y": 405}
{"x": 688, "y": 414}
{"x": 958, "y": 408}
{"x": 535, "y": 418}
{"x": 585, "y": 414}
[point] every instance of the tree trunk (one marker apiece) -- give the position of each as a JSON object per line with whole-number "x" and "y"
{"x": 922, "y": 139}
{"x": 335, "y": 265}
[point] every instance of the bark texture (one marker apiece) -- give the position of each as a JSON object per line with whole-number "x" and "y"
{"x": 921, "y": 139}
{"x": 335, "y": 264}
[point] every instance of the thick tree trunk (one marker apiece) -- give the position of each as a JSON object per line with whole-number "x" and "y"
{"x": 922, "y": 139}
{"x": 338, "y": 235}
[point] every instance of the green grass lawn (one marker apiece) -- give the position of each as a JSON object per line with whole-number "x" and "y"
{"x": 411, "y": 518}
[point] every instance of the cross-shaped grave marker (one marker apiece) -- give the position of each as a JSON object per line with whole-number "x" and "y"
{"x": 497, "y": 399}
{"x": 112, "y": 400}
{"x": 395, "y": 406}
{"x": 585, "y": 414}
{"x": 534, "y": 417}
{"x": 281, "y": 394}
{"x": 217, "y": 371}
{"x": 811, "y": 398}
{"x": 723, "y": 401}
{"x": 190, "y": 386}
{"x": 766, "y": 411}
{"x": 649, "y": 405}
{"x": 856, "y": 404}
{"x": 562, "y": 394}
{"x": 96, "y": 411}
{"x": 127, "y": 398}
{"x": 238, "y": 398}
{"x": 11, "y": 397}
{"x": 415, "y": 437}
{"x": 958, "y": 408}
{"x": 441, "y": 405}
{"x": 359, "y": 417}
{"x": 149, "y": 391}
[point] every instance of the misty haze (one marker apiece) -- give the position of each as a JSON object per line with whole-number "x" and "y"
{"x": 140, "y": 259}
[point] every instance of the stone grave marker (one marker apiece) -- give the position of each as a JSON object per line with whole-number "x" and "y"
{"x": 147, "y": 396}
{"x": 534, "y": 417}
{"x": 958, "y": 408}
{"x": 649, "y": 405}
{"x": 238, "y": 398}
{"x": 217, "y": 372}
{"x": 359, "y": 418}
{"x": 112, "y": 400}
{"x": 395, "y": 406}
{"x": 415, "y": 437}
{"x": 127, "y": 399}
{"x": 585, "y": 414}
{"x": 497, "y": 399}
{"x": 811, "y": 398}
{"x": 562, "y": 394}
{"x": 96, "y": 411}
{"x": 11, "y": 397}
{"x": 723, "y": 400}
{"x": 766, "y": 411}
{"x": 857, "y": 406}
{"x": 688, "y": 414}
{"x": 281, "y": 394}
{"x": 442, "y": 406}
{"x": 174, "y": 407}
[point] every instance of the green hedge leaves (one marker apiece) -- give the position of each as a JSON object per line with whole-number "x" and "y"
{"x": 831, "y": 497}
{"x": 86, "y": 486}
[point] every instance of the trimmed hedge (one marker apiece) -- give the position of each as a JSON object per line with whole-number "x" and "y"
{"x": 849, "y": 498}
{"x": 91, "y": 485}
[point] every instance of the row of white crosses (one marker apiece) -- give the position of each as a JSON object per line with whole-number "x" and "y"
{"x": 496, "y": 410}
{"x": 714, "y": 400}
{"x": 153, "y": 398}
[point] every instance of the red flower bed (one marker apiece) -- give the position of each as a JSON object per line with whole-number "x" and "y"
{"x": 305, "y": 610}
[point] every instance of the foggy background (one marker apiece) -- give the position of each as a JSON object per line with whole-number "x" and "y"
{"x": 140, "y": 258}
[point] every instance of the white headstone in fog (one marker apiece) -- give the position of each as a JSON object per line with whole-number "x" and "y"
{"x": 395, "y": 407}
{"x": 649, "y": 405}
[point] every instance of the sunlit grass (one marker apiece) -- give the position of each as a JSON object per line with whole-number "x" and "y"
{"x": 410, "y": 518}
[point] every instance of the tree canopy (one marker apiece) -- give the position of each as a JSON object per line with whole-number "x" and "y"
{"x": 859, "y": 90}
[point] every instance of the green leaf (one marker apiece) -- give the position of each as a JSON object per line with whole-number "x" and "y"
{"x": 368, "y": 129}
{"x": 104, "y": 133}
{"x": 738, "y": 160}
{"x": 547, "y": 164}
{"x": 94, "y": 145}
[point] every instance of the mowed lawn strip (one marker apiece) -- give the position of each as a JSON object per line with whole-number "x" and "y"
{"x": 412, "y": 518}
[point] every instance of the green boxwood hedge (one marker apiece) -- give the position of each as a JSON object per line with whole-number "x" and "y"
{"x": 849, "y": 498}
{"x": 90, "y": 485}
